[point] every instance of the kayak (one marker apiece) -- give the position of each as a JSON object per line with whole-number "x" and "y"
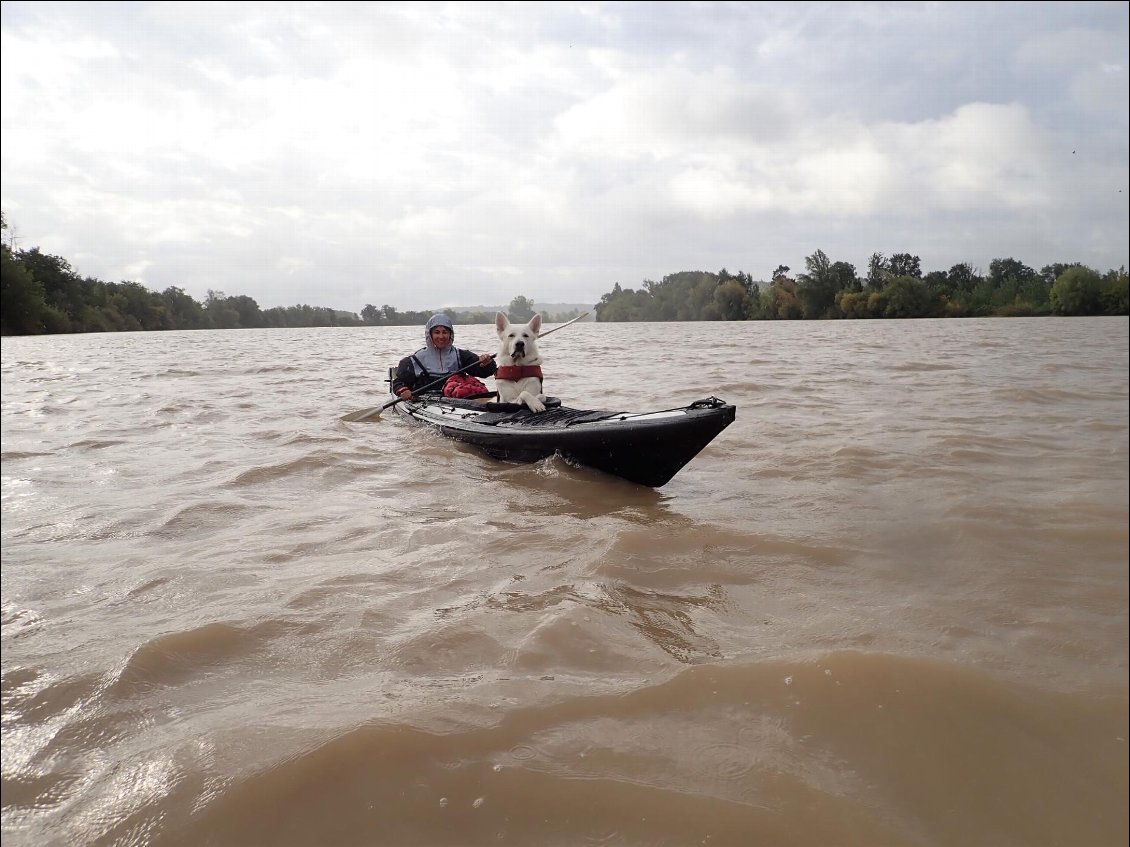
{"x": 647, "y": 448}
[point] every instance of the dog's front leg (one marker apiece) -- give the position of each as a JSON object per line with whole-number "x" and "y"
{"x": 533, "y": 401}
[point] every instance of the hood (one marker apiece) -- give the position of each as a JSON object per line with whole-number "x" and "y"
{"x": 434, "y": 321}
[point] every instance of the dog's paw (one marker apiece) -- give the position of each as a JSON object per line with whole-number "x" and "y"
{"x": 534, "y": 404}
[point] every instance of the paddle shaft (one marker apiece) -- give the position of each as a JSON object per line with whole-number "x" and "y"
{"x": 548, "y": 331}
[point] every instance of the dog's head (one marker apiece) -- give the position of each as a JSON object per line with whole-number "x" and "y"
{"x": 518, "y": 342}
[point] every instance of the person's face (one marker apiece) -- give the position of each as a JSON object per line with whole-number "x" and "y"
{"x": 441, "y": 337}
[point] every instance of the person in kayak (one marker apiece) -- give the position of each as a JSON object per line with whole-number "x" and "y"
{"x": 439, "y": 357}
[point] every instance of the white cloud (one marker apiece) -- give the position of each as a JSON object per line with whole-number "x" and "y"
{"x": 417, "y": 153}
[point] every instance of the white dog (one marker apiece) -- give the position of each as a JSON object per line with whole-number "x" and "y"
{"x": 519, "y": 377}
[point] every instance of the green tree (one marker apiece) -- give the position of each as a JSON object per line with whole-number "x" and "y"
{"x": 62, "y": 287}
{"x": 779, "y": 301}
{"x": 21, "y": 297}
{"x": 184, "y": 312}
{"x": 1114, "y": 294}
{"x": 142, "y": 308}
{"x": 903, "y": 264}
{"x": 1050, "y": 273}
{"x": 521, "y": 309}
{"x": 730, "y": 300}
{"x": 817, "y": 289}
{"x": 908, "y": 297}
{"x": 1077, "y": 292}
{"x": 855, "y": 304}
{"x": 700, "y": 300}
{"x": 753, "y": 302}
{"x": 878, "y": 269}
{"x": 247, "y": 309}
{"x": 846, "y": 277}
{"x": 221, "y": 313}
{"x": 624, "y": 304}
{"x": 386, "y": 315}
{"x": 962, "y": 278}
{"x": 1018, "y": 288}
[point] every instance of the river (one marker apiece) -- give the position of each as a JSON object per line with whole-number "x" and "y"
{"x": 887, "y": 606}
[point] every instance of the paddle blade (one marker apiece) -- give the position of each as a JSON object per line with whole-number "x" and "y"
{"x": 363, "y": 415}
{"x": 369, "y": 414}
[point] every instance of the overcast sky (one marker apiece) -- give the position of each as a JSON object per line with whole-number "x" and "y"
{"x": 434, "y": 154}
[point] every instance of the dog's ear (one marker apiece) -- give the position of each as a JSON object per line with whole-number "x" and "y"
{"x": 500, "y": 321}
{"x": 535, "y": 323}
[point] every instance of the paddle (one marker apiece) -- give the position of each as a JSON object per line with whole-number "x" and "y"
{"x": 375, "y": 412}
{"x": 542, "y": 335}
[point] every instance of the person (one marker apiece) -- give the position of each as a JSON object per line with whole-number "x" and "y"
{"x": 438, "y": 358}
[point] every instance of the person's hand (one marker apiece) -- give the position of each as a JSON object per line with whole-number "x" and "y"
{"x": 404, "y": 393}
{"x": 485, "y": 358}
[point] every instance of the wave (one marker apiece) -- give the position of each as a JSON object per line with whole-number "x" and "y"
{"x": 841, "y": 748}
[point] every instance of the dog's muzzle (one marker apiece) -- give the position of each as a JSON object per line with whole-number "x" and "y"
{"x": 519, "y": 349}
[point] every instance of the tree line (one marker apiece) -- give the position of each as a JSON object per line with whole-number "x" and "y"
{"x": 893, "y": 287}
{"x": 41, "y": 293}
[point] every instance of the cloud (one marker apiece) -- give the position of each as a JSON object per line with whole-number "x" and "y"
{"x": 419, "y": 154}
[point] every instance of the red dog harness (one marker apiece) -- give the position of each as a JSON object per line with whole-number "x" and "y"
{"x": 516, "y": 372}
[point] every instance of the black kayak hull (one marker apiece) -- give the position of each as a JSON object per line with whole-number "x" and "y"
{"x": 645, "y": 448}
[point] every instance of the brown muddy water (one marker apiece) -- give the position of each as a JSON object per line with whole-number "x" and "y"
{"x": 887, "y": 606}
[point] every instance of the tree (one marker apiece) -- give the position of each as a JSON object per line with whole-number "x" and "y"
{"x": 779, "y": 301}
{"x": 607, "y": 303}
{"x": 730, "y": 300}
{"x": 855, "y": 304}
{"x": 908, "y": 297}
{"x": 247, "y": 309}
{"x": 140, "y": 306}
{"x": 846, "y": 277}
{"x": 184, "y": 311}
{"x": 878, "y": 270}
{"x": 962, "y": 278}
{"x": 1050, "y": 273}
{"x": 62, "y": 287}
{"x": 223, "y": 316}
{"x": 21, "y": 297}
{"x": 1018, "y": 288}
{"x": 903, "y": 264}
{"x": 700, "y": 298}
{"x": 1076, "y": 292}
{"x": 1115, "y": 292}
{"x": 753, "y": 303}
{"x": 954, "y": 288}
{"x": 818, "y": 288}
{"x": 1004, "y": 270}
{"x": 521, "y": 309}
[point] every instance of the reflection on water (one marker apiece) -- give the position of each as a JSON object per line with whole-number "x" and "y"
{"x": 888, "y": 605}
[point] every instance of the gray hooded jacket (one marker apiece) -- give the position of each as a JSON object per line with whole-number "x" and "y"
{"x": 429, "y": 364}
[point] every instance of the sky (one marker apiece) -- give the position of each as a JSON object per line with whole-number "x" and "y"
{"x": 423, "y": 155}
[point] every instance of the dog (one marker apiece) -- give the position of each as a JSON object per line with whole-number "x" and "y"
{"x": 519, "y": 378}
